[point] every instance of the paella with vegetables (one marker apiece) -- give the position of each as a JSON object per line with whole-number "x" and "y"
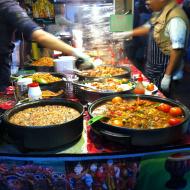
{"x": 108, "y": 85}
{"x": 104, "y": 71}
{"x": 139, "y": 113}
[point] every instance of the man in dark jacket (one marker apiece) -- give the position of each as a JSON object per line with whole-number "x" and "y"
{"x": 13, "y": 17}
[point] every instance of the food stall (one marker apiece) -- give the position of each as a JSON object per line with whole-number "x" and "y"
{"x": 85, "y": 160}
{"x": 76, "y": 154}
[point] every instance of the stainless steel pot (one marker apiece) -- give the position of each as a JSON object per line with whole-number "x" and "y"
{"x": 87, "y": 95}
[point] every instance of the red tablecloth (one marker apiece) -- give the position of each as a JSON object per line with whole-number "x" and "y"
{"x": 97, "y": 144}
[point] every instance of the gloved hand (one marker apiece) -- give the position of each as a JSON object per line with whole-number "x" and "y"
{"x": 84, "y": 61}
{"x": 80, "y": 54}
{"x": 122, "y": 35}
{"x": 82, "y": 65}
{"x": 165, "y": 83}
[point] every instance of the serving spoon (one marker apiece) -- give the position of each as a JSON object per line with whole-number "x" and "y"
{"x": 95, "y": 119}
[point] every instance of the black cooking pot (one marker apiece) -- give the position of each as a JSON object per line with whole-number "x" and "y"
{"x": 127, "y": 73}
{"x": 141, "y": 137}
{"x": 44, "y": 137}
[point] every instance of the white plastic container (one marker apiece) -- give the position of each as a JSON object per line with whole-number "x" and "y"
{"x": 34, "y": 91}
{"x": 64, "y": 63}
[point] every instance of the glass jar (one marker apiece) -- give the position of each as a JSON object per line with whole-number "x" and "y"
{"x": 22, "y": 87}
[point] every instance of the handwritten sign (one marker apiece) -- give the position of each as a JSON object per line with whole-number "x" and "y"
{"x": 120, "y": 23}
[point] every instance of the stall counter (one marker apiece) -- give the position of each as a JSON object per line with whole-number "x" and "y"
{"x": 97, "y": 163}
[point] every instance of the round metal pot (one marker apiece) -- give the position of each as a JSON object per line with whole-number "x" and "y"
{"x": 44, "y": 137}
{"x": 141, "y": 137}
{"x": 87, "y": 96}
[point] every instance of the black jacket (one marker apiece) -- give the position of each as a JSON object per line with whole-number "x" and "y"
{"x": 13, "y": 17}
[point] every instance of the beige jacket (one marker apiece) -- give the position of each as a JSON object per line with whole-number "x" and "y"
{"x": 170, "y": 11}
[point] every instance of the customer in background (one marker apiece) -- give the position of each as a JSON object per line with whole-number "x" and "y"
{"x": 13, "y": 17}
{"x": 167, "y": 37}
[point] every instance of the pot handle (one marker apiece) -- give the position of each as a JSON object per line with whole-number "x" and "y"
{"x": 117, "y": 136}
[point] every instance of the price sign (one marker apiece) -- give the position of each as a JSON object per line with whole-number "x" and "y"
{"x": 120, "y": 23}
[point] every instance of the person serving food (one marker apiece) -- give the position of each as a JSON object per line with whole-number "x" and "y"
{"x": 13, "y": 17}
{"x": 168, "y": 31}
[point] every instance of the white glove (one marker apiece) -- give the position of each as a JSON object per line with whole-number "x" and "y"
{"x": 122, "y": 35}
{"x": 80, "y": 54}
{"x": 165, "y": 83}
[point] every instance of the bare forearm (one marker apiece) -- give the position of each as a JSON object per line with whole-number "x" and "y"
{"x": 49, "y": 41}
{"x": 175, "y": 59}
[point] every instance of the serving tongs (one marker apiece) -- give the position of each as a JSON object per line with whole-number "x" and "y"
{"x": 92, "y": 88}
{"x": 79, "y": 72}
{"x": 85, "y": 86}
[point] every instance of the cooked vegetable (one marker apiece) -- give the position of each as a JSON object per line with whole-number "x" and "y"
{"x": 41, "y": 81}
{"x": 164, "y": 107}
{"x": 117, "y": 99}
{"x": 150, "y": 87}
{"x": 175, "y": 111}
{"x": 175, "y": 121}
{"x": 117, "y": 122}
